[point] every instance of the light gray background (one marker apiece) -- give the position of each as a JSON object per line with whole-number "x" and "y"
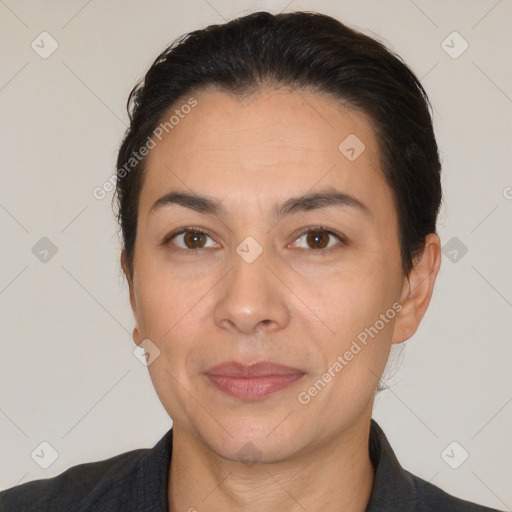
{"x": 68, "y": 373}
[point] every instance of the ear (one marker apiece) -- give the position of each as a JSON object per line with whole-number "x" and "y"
{"x": 417, "y": 290}
{"x": 137, "y": 338}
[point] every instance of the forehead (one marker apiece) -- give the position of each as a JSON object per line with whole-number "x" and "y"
{"x": 274, "y": 143}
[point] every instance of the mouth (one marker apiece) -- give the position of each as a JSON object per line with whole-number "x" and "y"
{"x": 254, "y": 381}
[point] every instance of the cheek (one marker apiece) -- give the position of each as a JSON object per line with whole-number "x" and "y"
{"x": 352, "y": 298}
{"x": 167, "y": 299}
{"x": 168, "y": 312}
{"x": 356, "y": 350}
{"x": 358, "y": 306}
{"x": 175, "y": 314}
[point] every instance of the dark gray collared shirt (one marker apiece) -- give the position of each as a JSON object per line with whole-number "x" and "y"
{"x": 137, "y": 481}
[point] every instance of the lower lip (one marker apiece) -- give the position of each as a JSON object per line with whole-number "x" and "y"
{"x": 253, "y": 388}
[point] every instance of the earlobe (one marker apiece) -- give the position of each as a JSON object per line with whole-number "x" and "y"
{"x": 137, "y": 338}
{"x": 417, "y": 290}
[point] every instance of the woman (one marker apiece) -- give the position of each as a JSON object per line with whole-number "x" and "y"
{"x": 278, "y": 189}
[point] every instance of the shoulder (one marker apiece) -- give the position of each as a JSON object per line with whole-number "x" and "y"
{"x": 429, "y": 498}
{"x": 397, "y": 490}
{"x": 76, "y": 487}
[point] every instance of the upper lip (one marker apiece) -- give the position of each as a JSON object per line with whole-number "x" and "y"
{"x": 259, "y": 369}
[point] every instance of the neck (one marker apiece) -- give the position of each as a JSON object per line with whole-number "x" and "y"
{"x": 337, "y": 476}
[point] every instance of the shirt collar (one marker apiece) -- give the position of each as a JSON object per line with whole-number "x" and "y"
{"x": 393, "y": 488}
{"x": 153, "y": 477}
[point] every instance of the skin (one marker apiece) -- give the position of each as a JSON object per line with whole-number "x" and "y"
{"x": 292, "y": 305}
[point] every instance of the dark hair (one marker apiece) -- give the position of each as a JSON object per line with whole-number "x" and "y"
{"x": 307, "y": 51}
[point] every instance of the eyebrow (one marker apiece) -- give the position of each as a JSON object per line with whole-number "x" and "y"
{"x": 311, "y": 201}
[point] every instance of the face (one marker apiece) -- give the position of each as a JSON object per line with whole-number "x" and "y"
{"x": 234, "y": 281}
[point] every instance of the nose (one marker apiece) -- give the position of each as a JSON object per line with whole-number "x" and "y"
{"x": 252, "y": 298}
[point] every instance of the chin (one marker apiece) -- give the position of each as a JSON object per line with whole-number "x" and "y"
{"x": 251, "y": 440}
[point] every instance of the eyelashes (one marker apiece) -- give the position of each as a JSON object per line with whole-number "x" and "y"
{"x": 316, "y": 236}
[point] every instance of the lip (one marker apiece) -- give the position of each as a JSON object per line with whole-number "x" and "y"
{"x": 254, "y": 381}
{"x": 259, "y": 369}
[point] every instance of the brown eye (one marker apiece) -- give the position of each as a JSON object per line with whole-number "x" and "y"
{"x": 194, "y": 239}
{"x": 188, "y": 240}
{"x": 319, "y": 239}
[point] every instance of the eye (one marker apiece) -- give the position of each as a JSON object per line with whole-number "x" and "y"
{"x": 317, "y": 238}
{"x": 191, "y": 239}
